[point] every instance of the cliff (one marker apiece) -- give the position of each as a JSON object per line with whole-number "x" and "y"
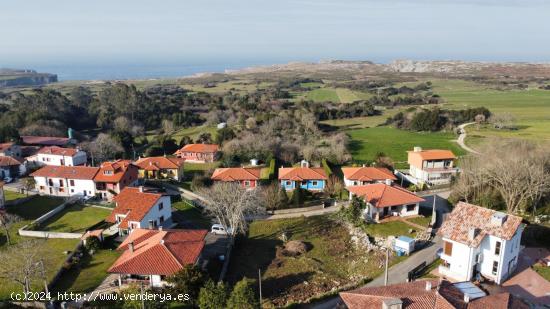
{"x": 10, "y": 78}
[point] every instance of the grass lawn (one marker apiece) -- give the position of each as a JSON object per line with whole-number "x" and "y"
{"x": 423, "y": 221}
{"x": 426, "y": 272}
{"x": 366, "y": 143}
{"x": 393, "y": 228}
{"x": 86, "y": 276}
{"x": 75, "y": 218}
{"x": 11, "y": 195}
{"x": 199, "y": 167}
{"x": 331, "y": 261}
{"x": 543, "y": 271}
{"x": 322, "y": 95}
{"x": 191, "y": 214}
{"x": 35, "y": 207}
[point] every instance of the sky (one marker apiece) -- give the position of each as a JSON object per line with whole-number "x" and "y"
{"x": 73, "y": 31}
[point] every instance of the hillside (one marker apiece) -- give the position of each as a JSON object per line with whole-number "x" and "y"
{"x": 14, "y": 78}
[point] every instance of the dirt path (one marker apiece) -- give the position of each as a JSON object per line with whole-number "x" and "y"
{"x": 462, "y": 137}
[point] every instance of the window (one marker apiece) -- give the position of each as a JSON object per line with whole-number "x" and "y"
{"x": 247, "y": 183}
{"x": 41, "y": 187}
{"x": 304, "y": 183}
{"x": 288, "y": 183}
{"x": 71, "y": 182}
{"x": 314, "y": 183}
{"x": 72, "y": 190}
{"x": 448, "y": 248}
{"x": 61, "y": 183}
{"x": 61, "y": 189}
{"x": 411, "y": 207}
{"x": 355, "y": 183}
{"x": 497, "y": 248}
{"x": 108, "y": 172}
{"x": 161, "y": 219}
{"x": 495, "y": 268}
{"x": 161, "y": 206}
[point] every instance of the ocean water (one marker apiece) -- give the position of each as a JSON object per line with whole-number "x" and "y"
{"x": 143, "y": 70}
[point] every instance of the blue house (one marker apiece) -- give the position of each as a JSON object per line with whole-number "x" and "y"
{"x": 305, "y": 177}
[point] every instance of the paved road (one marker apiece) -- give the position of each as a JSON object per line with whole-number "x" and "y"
{"x": 462, "y": 137}
{"x": 398, "y": 273}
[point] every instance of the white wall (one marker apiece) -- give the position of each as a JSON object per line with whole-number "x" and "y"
{"x": 461, "y": 261}
{"x": 80, "y": 185}
{"x": 79, "y": 158}
{"x": 154, "y": 213}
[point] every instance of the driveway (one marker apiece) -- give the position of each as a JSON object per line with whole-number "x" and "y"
{"x": 462, "y": 137}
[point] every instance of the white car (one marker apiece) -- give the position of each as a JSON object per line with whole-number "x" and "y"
{"x": 219, "y": 229}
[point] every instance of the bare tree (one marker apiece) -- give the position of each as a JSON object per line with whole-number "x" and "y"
{"x": 229, "y": 203}
{"x": 168, "y": 126}
{"x": 6, "y": 222}
{"x": 334, "y": 185}
{"x": 103, "y": 148}
{"x": 29, "y": 184}
{"x": 503, "y": 121}
{"x": 270, "y": 196}
{"x": 24, "y": 262}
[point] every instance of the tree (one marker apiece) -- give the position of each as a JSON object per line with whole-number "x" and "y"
{"x": 103, "y": 148}
{"x": 243, "y": 296}
{"x": 24, "y": 262}
{"x": 270, "y": 196}
{"x": 334, "y": 185}
{"x": 503, "y": 121}
{"x": 282, "y": 197}
{"x": 6, "y": 222}
{"x": 29, "y": 184}
{"x": 230, "y": 203}
{"x": 204, "y": 138}
{"x": 213, "y": 296}
{"x": 188, "y": 280}
{"x": 168, "y": 126}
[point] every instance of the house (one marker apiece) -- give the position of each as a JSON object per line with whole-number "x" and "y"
{"x": 431, "y": 167}
{"x": 359, "y": 176}
{"x": 114, "y": 176}
{"x": 385, "y": 199}
{"x": 138, "y": 207}
{"x": 428, "y": 294}
{"x": 10, "y": 150}
{"x": 248, "y": 178}
{"x": 479, "y": 241}
{"x": 45, "y": 140}
{"x": 149, "y": 256}
{"x": 305, "y": 177}
{"x": 160, "y": 168}
{"x": 10, "y": 167}
{"x": 66, "y": 180}
{"x": 55, "y": 155}
{"x": 199, "y": 153}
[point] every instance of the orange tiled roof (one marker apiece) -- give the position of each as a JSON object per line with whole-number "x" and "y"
{"x": 236, "y": 173}
{"x": 381, "y": 195}
{"x": 60, "y": 151}
{"x": 69, "y": 172}
{"x": 434, "y": 154}
{"x": 156, "y": 163}
{"x": 5, "y": 146}
{"x": 207, "y": 148}
{"x": 467, "y": 216}
{"x": 8, "y": 161}
{"x": 134, "y": 204}
{"x": 118, "y": 169}
{"x": 159, "y": 252}
{"x": 414, "y": 295}
{"x": 368, "y": 173}
{"x": 301, "y": 173}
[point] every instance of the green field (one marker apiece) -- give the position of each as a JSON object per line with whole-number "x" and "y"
{"x": 366, "y": 143}
{"x": 11, "y": 195}
{"x": 337, "y": 95}
{"x": 75, "y": 219}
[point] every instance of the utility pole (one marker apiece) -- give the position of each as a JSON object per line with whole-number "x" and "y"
{"x": 434, "y": 213}
{"x": 260, "y": 283}
{"x": 387, "y": 262}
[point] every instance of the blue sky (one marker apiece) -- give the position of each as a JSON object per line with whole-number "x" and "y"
{"x": 40, "y": 31}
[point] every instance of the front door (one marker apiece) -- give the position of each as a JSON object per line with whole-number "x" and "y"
{"x": 385, "y": 212}
{"x": 84, "y": 192}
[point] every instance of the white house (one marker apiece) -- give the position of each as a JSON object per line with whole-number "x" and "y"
{"x": 360, "y": 176}
{"x": 384, "y": 200}
{"x": 150, "y": 256}
{"x": 138, "y": 207}
{"x": 10, "y": 167}
{"x": 10, "y": 150}
{"x": 480, "y": 241}
{"x": 54, "y": 155}
{"x": 66, "y": 180}
{"x": 431, "y": 167}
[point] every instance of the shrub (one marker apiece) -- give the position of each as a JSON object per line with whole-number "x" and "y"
{"x": 243, "y": 296}
{"x": 212, "y": 295}
{"x": 92, "y": 243}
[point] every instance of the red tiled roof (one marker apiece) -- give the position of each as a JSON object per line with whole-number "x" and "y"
{"x": 368, "y": 173}
{"x": 134, "y": 204}
{"x": 381, "y": 195}
{"x": 302, "y": 173}
{"x": 118, "y": 169}
{"x": 434, "y": 154}
{"x": 8, "y": 161}
{"x": 60, "y": 151}
{"x": 69, "y": 172}
{"x": 207, "y": 148}
{"x": 155, "y": 163}
{"x": 466, "y": 216}
{"x": 236, "y": 173}
{"x": 45, "y": 140}
{"x": 159, "y": 252}
{"x": 5, "y": 146}
{"x": 414, "y": 295}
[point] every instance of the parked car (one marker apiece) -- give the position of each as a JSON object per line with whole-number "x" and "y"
{"x": 219, "y": 229}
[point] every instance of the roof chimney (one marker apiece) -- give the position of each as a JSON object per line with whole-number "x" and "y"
{"x": 498, "y": 218}
{"x": 417, "y": 149}
{"x": 388, "y": 182}
{"x": 364, "y": 165}
{"x": 428, "y": 285}
{"x": 160, "y": 228}
{"x": 304, "y": 163}
{"x": 131, "y": 246}
{"x": 141, "y": 189}
{"x": 392, "y": 303}
{"x": 466, "y": 298}
{"x": 472, "y": 233}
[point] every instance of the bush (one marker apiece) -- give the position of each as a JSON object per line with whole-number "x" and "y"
{"x": 188, "y": 280}
{"x": 212, "y": 295}
{"x": 92, "y": 243}
{"x": 243, "y": 296}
